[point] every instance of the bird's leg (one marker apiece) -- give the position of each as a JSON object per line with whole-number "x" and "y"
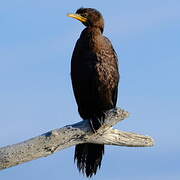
{"x": 100, "y": 120}
{"x": 92, "y": 126}
{"x": 96, "y": 123}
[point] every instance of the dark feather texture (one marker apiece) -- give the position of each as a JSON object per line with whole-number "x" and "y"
{"x": 94, "y": 74}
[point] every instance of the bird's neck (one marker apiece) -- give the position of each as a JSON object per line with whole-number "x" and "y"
{"x": 91, "y": 32}
{"x": 89, "y": 38}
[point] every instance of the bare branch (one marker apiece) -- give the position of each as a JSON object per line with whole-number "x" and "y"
{"x": 71, "y": 135}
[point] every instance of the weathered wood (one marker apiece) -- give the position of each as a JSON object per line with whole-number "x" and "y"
{"x": 71, "y": 135}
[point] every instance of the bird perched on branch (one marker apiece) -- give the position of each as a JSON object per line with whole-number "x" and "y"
{"x": 95, "y": 77}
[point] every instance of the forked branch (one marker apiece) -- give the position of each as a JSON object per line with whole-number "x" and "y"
{"x": 71, "y": 135}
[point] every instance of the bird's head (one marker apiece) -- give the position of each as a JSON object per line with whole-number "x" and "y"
{"x": 89, "y": 17}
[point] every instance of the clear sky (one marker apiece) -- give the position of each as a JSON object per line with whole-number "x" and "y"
{"x": 36, "y": 43}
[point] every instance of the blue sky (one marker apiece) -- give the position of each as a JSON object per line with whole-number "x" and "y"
{"x": 37, "y": 40}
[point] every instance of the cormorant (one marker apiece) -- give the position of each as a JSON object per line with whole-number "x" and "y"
{"x": 95, "y": 77}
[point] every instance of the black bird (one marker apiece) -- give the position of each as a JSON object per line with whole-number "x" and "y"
{"x": 95, "y": 77}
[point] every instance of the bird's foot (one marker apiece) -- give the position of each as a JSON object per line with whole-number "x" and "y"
{"x": 95, "y": 123}
{"x": 92, "y": 126}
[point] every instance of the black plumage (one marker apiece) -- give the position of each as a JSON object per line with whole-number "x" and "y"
{"x": 95, "y": 77}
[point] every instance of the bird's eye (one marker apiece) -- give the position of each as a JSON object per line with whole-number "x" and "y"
{"x": 85, "y": 15}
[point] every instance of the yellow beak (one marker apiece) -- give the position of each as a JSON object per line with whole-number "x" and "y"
{"x": 78, "y": 17}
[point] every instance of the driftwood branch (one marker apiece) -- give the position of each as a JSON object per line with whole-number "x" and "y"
{"x": 71, "y": 135}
